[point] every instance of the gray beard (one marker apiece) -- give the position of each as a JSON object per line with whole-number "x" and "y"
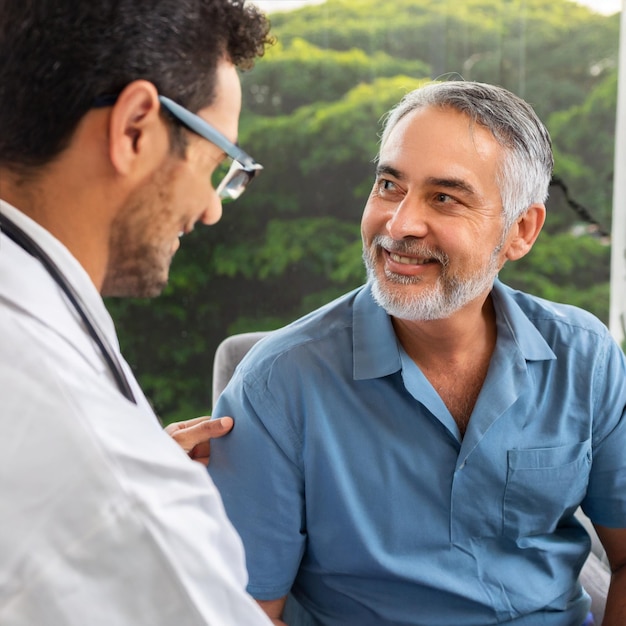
{"x": 448, "y": 296}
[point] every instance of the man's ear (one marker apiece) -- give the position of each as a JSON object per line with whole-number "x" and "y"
{"x": 525, "y": 231}
{"x": 138, "y": 137}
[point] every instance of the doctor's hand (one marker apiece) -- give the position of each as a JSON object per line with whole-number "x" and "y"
{"x": 194, "y": 436}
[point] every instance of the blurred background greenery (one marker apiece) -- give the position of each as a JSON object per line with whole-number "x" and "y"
{"x": 312, "y": 112}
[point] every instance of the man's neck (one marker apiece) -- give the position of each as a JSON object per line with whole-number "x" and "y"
{"x": 53, "y": 198}
{"x": 467, "y": 333}
{"x": 454, "y": 355}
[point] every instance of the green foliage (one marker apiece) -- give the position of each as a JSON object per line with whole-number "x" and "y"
{"x": 541, "y": 48}
{"x": 311, "y": 242}
{"x": 312, "y": 112}
{"x": 285, "y": 79}
{"x": 589, "y": 147}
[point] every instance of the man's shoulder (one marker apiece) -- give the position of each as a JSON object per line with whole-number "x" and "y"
{"x": 322, "y": 324}
{"x": 326, "y": 331}
{"x": 545, "y": 314}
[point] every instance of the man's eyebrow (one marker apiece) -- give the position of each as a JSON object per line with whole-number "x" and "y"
{"x": 383, "y": 168}
{"x": 457, "y": 184}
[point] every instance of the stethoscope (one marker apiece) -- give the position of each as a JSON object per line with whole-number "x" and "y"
{"x": 22, "y": 239}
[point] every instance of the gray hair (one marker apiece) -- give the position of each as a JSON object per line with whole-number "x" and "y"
{"x": 525, "y": 173}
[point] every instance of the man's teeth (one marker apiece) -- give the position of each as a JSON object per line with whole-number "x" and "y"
{"x": 181, "y": 233}
{"x": 405, "y": 260}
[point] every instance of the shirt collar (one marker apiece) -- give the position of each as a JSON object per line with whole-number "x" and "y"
{"x": 376, "y": 352}
{"x": 375, "y": 347}
{"x": 515, "y": 326}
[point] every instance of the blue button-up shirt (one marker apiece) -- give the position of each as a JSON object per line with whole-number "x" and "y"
{"x": 348, "y": 479}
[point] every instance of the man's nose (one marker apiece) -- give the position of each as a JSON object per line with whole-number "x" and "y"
{"x": 408, "y": 219}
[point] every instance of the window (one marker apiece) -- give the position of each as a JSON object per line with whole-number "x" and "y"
{"x": 312, "y": 108}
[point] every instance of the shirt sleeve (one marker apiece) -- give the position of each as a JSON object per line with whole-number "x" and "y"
{"x": 258, "y": 470}
{"x": 605, "y": 502}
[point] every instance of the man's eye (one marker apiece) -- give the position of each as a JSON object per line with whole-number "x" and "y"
{"x": 443, "y": 198}
{"x": 386, "y": 185}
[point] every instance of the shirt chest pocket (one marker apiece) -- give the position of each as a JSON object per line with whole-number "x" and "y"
{"x": 541, "y": 485}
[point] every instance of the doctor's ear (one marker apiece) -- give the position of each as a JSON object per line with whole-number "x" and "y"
{"x": 138, "y": 136}
{"x": 525, "y": 231}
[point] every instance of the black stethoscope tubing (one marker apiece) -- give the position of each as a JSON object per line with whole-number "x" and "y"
{"x": 22, "y": 239}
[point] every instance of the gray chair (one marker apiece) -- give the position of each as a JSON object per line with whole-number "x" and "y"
{"x": 227, "y": 357}
{"x": 595, "y": 575}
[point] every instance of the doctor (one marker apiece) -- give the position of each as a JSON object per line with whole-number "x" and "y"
{"x": 113, "y": 118}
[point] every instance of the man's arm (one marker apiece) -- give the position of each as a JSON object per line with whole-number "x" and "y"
{"x": 614, "y": 542}
{"x": 274, "y": 609}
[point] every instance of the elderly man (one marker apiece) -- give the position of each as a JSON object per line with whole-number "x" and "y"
{"x": 413, "y": 453}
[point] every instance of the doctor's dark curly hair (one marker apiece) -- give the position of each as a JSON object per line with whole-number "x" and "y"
{"x": 58, "y": 56}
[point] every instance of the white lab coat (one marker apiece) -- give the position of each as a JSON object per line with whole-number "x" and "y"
{"x": 103, "y": 518}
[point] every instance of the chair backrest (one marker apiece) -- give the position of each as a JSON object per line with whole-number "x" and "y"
{"x": 228, "y": 355}
{"x": 595, "y": 576}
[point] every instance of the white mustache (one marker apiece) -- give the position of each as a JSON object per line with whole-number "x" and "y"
{"x": 410, "y": 248}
